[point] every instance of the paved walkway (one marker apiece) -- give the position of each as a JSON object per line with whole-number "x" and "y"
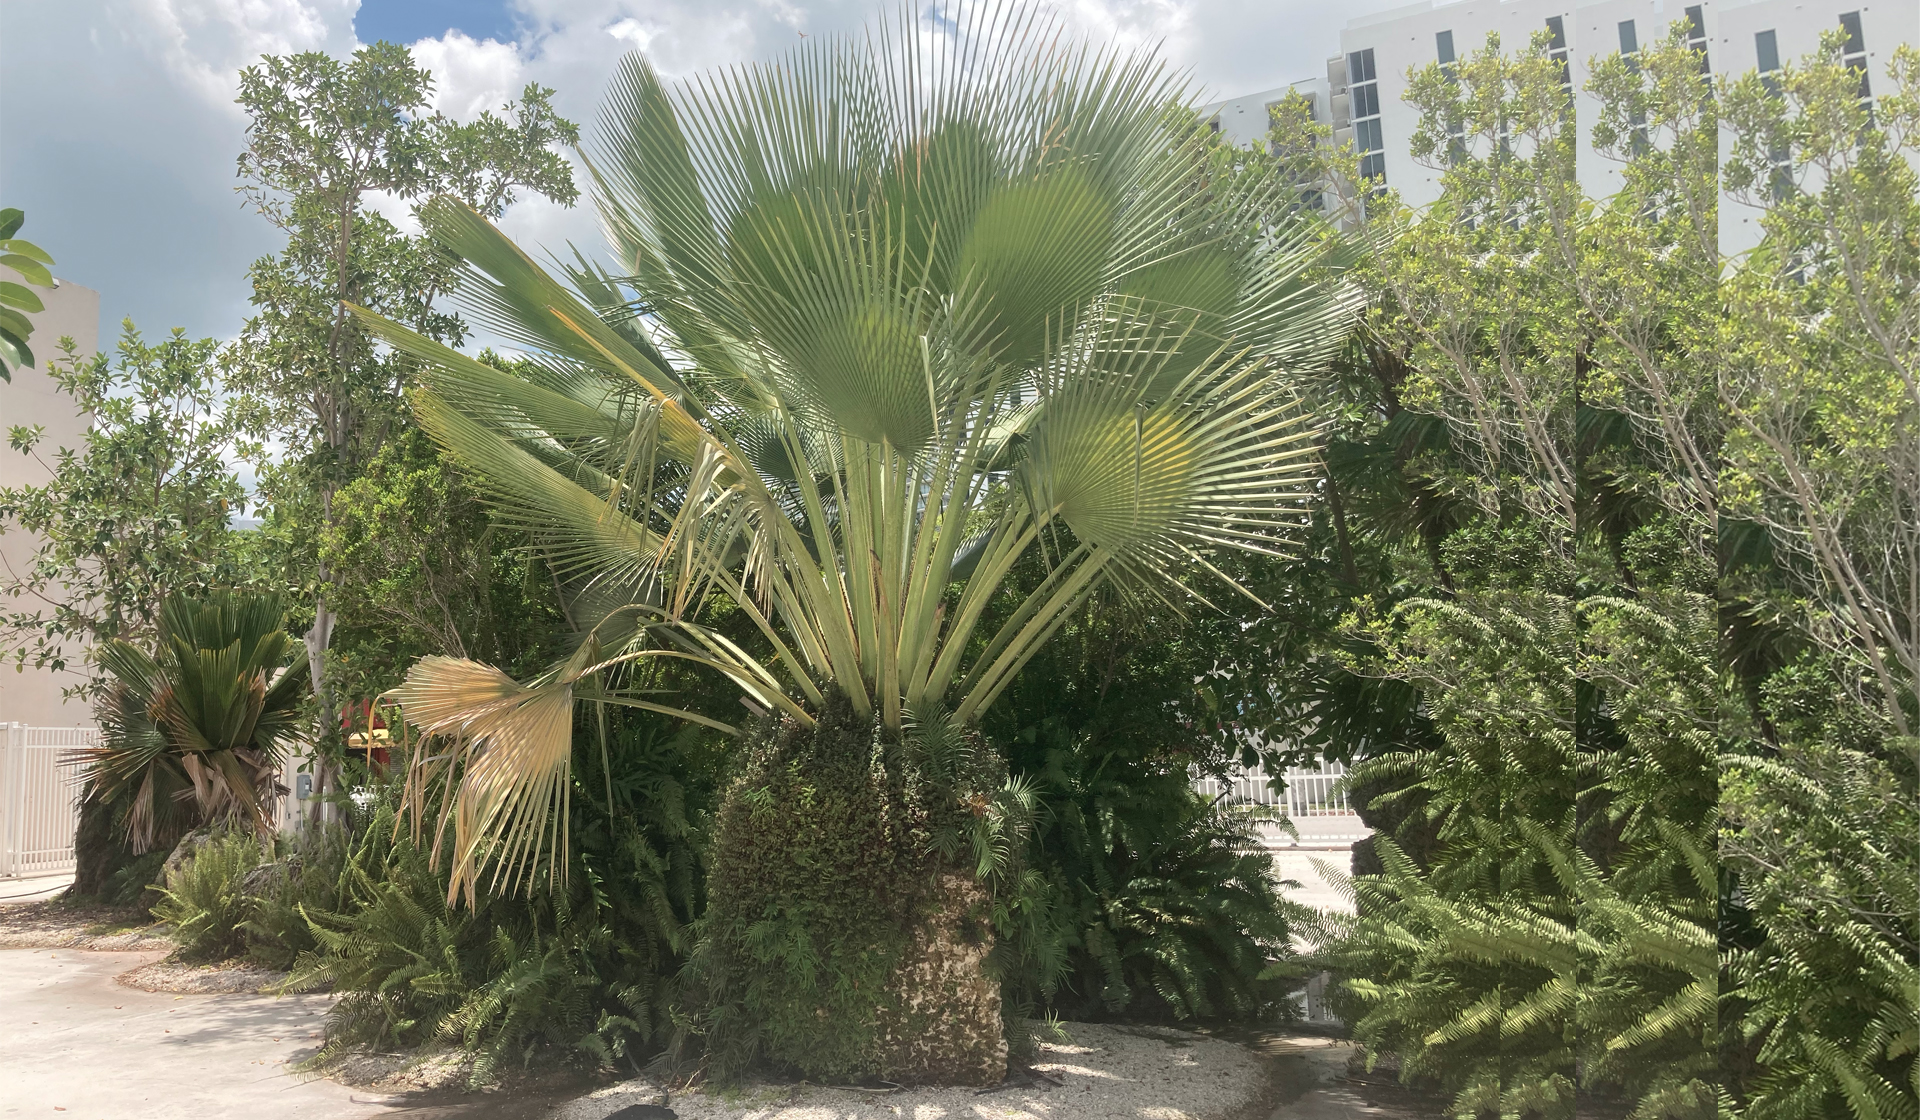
{"x": 80, "y": 1045}
{"x": 35, "y": 889}
{"x": 1304, "y": 866}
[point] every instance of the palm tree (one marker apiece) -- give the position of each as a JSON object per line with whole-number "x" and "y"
{"x": 902, "y": 310}
{"x": 196, "y": 732}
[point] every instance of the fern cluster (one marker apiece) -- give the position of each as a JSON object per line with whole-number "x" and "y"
{"x": 205, "y": 900}
{"x": 1542, "y": 930}
{"x": 1821, "y": 837}
{"x": 588, "y": 971}
{"x": 1140, "y": 898}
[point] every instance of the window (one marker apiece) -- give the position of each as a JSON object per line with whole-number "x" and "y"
{"x": 1630, "y": 46}
{"x": 1697, "y": 36}
{"x": 1557, "y": 51}
{"x": 1854, "y": 54}
{"x": 1766, "y": 59}
{"x": 1456, "y": 129}
{"x": 1363, "y": 90}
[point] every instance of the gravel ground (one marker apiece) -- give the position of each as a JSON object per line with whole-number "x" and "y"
{"x": 1102, "y": 1073}
{"x": 55, "y": 925}
{"x": 227, "y": 977}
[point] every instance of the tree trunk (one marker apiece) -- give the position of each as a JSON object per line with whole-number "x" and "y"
{"x": 318, "y": 637}
{"x": 941, "y": 1024}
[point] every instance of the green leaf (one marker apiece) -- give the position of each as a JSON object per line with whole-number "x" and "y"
{"x": 11, "y": 220}
{"x": 35, "y": 272}
{"x": 15, "y": 352}
{"x": 19, "y": 324}
{"x": 26, "y": 249}
{"x": 17, "y": 295}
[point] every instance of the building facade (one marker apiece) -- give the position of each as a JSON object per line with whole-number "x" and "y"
{"x": 1764, "y": 35}
{"x": 33, "y": 696}
{"x": 1363, "y": 93}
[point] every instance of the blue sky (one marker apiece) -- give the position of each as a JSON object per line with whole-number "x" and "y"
{"x": 118, "y": 132}
{"x": 408, "y": 21}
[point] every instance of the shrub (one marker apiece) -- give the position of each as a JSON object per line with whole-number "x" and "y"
{"x": 586, "y": 972}
{"x": 205, "y": 899}
{"x": 307, "y": 878}
{"x": 1142, "y": 900}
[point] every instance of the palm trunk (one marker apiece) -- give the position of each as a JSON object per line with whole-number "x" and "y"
{"x": 875, "y": 965}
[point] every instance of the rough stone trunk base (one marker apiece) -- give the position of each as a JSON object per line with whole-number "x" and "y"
{"x": 941, "y": 1024}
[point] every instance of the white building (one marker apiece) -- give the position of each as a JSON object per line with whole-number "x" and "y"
{"x": 1764, "y": 35}
{"x": 1363, "y": 93}
{"x": 1243, "y": 120}
{"x": 33, "y": 696}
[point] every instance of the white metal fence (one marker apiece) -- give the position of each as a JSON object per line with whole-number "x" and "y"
{"x": 1311, "y": 801}
{"x": 39, "y": 797}
{"x": 1308, "y": 792}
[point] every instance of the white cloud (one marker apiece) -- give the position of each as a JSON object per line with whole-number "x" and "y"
{"x": 470, "y": 76}
{"x": 205, "y": 43}
{"x": 125, "y": 158}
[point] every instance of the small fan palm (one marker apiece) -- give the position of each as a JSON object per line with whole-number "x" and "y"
{"x": 897, "y": 311}
{"x": 196, "y": 732}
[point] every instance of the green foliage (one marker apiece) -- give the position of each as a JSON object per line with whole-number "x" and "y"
{"x": 1820, "y": 831}
{"x": 139, "y": 511}
{"x": 825, "y": 855}
{"x": 1138, "y": 898}
{"x": 196, "y": 732}
{"x": 1466, "y": 968}
{"x": 1521, "y": 509}
{"x": 588, "y": 972}
{"x": 422, "y": 570}
{"x": 308, "y": 876}
{"x": 1141, "y": 899}
{"x": 30, "y": 263}
{"x": 205, "y": 900}
{"x": 324, "y": 134}
{"x": 1821, "y": 474}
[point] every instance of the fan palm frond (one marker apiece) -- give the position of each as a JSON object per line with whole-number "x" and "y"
{"x": 932, "y": 303}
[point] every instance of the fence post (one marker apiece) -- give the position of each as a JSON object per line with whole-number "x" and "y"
{"x": 12, "y": 759}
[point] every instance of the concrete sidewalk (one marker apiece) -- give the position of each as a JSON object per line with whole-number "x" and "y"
{"x": 81, "y": 1045}
{"x": 35, "y": 889}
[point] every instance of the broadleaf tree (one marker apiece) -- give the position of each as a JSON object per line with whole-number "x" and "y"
{"x": 329, "y": 141}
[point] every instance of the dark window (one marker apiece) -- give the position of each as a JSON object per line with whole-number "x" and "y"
{"x": 1854, "y": 53}
{"x": 1697, "y": 35}
{"x": 1360, "y": 66}
{"x": 1629, "y": 40}
{"x": 1363, "y": 93}
{"x": 1856, "y": 42}
{"x": 1443, "y": 47}
{"x": 1557, "y": 51}
{"x": 1366, "y": 100}
{"x": 1766, "y": 52}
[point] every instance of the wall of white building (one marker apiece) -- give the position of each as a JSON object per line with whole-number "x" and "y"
{"x": 1795, "y": 30}
{"x": 1396, "y": 42}
{"x": 33, "y": 696}
{"x": 1243, "y": 119}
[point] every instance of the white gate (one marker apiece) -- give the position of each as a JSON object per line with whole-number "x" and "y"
{"x": 39, "y": 797}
